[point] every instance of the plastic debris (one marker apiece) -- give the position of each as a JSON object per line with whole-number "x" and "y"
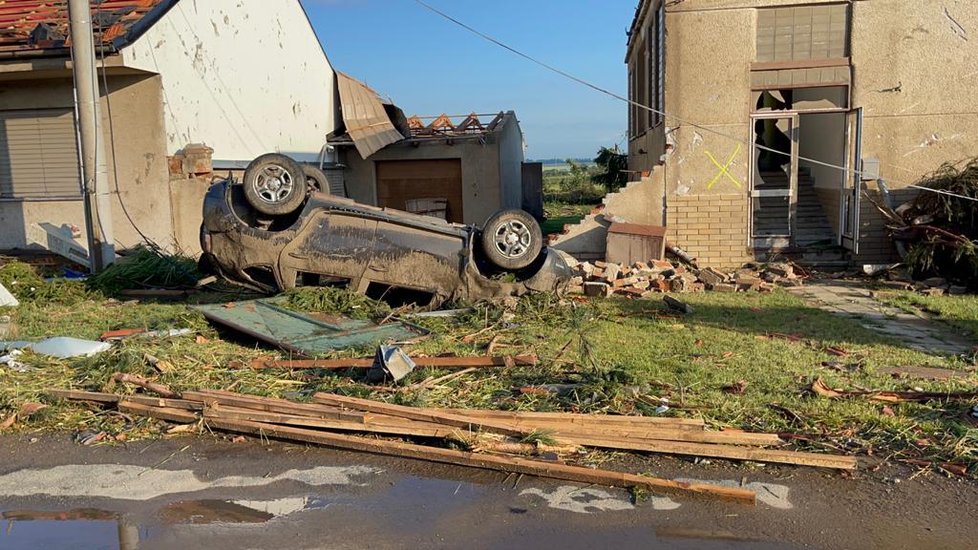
{"x": 10, "y": 361}
{"x": 391, "y": 361}
{"x": 6, "y": 298}
{"x": 62, "y": 347}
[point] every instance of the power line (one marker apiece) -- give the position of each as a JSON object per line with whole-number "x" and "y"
{"x": 619, "y": 97}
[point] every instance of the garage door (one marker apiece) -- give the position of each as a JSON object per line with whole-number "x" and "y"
{"x": 421, "y": 185}
{"x": 38, "y": 154}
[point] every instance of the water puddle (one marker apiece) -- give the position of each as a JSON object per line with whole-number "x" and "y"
{"x": 82, "y": 528}
{"x": 205, "y": 512}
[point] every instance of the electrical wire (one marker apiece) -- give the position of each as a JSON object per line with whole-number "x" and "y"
{"x": 619, "y": 97}
{"x": 115, "y": 165}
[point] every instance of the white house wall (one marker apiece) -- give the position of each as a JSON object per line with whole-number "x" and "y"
{"x": 246, "y": 77}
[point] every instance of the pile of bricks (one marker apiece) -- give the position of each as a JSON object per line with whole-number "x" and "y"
{"x": 640, "y": 280}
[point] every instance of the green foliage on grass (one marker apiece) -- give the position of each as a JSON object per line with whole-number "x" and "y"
{"x": 146, "y": 268}
{"x": 610, "y": 356}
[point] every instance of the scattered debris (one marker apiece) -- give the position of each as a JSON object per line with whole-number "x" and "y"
{"x": 925, "y": 373}
{"x": 6, "y": 298}
{"x": 226, "y": 410}
{"x": 390, "y": 362}
{"x": 26, "y": 410}
{"x": 820, "y": 388}
{"x": 642, "y": 279}
{"x": 302, "y": 334}
{"x": 62, "y": 347}
{"x": 432, "y": 362}
{"x": 148, "y": 385}
{"x": 937, "y": 233}
{"x": 678, "y": 305}
{"x": 10, "y": 361}
{"x": 737, "y": 388}
{"x": 122, "y": 334}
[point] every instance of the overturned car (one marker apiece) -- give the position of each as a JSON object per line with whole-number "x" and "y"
{"x": 279, "y": 229}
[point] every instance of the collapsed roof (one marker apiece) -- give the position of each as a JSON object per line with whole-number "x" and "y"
{"x": 40, "y": 27}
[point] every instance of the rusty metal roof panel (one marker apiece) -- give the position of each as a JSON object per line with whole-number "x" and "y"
{"x": 365, "y": 118}
{"x": 40, "y": 26}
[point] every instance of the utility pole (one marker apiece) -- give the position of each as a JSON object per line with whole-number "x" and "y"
{"x": 98, "y": 206}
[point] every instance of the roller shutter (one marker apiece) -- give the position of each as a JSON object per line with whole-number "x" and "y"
{"x": 38, "y": 154}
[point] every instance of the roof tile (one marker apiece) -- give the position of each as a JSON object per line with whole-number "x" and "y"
{"x": 38, "y": 25}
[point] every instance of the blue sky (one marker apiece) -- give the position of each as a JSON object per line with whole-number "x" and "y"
{"x": 429, "y": 66}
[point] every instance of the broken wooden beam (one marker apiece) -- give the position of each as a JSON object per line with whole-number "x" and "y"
{"x": 488, "y": 462}
{"x": 432, "y": 362}
{"x": 77, "y": 395}
{"x": 424, "y": 415}
{"x": 148, "y": 385}
{"x": 180, "y": 416}
{"x": 269, "y": 404}
{"x": 406, "y": 428}
{"x": 730, "y": 452}
{"x": 585, "y": 419}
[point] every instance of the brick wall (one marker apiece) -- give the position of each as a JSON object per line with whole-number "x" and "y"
{"x": 875, "y": 243}
{"x": 713, "y": 228}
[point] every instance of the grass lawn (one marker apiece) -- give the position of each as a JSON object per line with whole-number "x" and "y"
{"x": 560, "y": 214}
{"x": 958, "y": 311}
{"x": 611, "y": 356}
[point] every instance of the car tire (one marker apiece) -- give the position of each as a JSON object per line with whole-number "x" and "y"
{"x": 316, "y": 180}
{"x": 512, "y": 239}
{"x": 275, "y": 184}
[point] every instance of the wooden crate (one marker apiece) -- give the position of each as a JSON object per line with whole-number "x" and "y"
{"x": 629, "y": 243}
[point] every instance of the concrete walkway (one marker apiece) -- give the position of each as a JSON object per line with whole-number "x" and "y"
{"x": 915, "y": 331}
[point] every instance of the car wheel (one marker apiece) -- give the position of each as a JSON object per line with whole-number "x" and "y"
{"x": 512, "y": 239}
{"x": 275, "y": 184}
{"x": 315, "y": 179}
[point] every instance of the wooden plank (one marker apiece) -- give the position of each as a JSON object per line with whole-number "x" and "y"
{"x": 404, "y": 428}
{"x": 76, "y": 395}
{"x": 425, "y": 415}
{"x": 488, "y": 462}
{"x": 583, "y": 419}
{"x": 163, "y": 413}
{"x": 273, "y": 405}
{"x": 690, "y": 436}
{"x": 571, "y": 432}
{"x": 150, "y": 401}
{"x": 432, "y": 362}
{"x": 723, "y": 451}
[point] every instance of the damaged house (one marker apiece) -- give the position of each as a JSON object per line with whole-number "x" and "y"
{"x": 765, "y": 98}
{"x": 194, "y": 89}
{"x": 175, "y": 73}
{"x": 462, "y": 171}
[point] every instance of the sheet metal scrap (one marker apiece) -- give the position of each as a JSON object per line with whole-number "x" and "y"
{"x": 302, "y": 334}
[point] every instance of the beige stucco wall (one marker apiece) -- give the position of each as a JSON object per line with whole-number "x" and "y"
{"x": 922, "y": 48}
{"x": 510, "y": 140}
{"x": 481, "y": 192}
{"x": 138, "y": 147}
{"x": 917, "y": 47}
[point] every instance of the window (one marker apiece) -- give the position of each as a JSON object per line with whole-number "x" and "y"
{"x": 631, "y": 108}
{"x": 802, "y": 33}
{"x": 38, "y": 154}
{"x": 658, "y": 73}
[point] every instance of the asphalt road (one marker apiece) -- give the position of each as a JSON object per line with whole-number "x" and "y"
{"x": 204, "y": 492}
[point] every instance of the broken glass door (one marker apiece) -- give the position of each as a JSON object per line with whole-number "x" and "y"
{"x": 774, "y": 179}
{"x": 849, "y": 199}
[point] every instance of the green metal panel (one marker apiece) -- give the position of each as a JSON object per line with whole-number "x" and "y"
{"x": 302, "y": 334}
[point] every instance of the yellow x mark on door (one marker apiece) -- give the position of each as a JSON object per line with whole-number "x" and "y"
{"x": 724, "y": 169}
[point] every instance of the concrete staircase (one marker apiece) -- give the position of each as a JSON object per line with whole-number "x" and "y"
{"x": 637, "y": 202}
{"x": 814, "y": 239}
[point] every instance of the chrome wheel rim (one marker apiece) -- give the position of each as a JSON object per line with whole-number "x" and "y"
{"x": 273, "y": 184}
{"x": 513, "y": 239}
